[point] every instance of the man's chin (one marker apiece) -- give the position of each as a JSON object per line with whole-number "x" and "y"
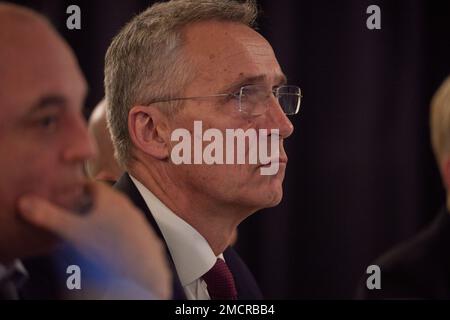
{"x": 275, "y": 202}
{"x": 274, "y": 196}
{"x": 271, "y": 199}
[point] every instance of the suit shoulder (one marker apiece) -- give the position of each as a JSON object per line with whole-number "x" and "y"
{"x": 416, "y": 267}
{"x": 421, "y": 249}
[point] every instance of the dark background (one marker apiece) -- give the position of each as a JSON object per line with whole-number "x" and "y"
{"x": 361, "y": 174}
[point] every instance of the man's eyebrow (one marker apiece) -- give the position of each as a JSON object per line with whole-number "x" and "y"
{"x": 47, "y": 102}
{"x": 279, "y": 79}
{"x": 242, "y": 81}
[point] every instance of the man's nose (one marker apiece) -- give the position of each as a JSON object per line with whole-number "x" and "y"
{"x": 80, "y": 146}
{"x": 278, "y": 119}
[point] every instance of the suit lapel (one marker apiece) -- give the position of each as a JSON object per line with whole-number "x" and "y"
{"x": 245, "y": 282}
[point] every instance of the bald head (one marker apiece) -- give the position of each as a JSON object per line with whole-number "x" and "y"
{"x": 104, "y": 166}
{"x": 34, "y": 59}
{"x": 12, "y": 13}
{"x": 19, "y": 27}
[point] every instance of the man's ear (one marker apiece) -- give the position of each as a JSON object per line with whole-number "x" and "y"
{"x": 149, "y": 131}
{"x": 445, "y": 171}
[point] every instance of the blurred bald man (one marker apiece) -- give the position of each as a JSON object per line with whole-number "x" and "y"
{"x": 103, "y": 166}
{"x": 44, "y": 142}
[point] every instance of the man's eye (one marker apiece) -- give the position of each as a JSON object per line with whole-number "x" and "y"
{"x": 48, "y": 122}
{"x": 250, "y": 92}
{"x": 231, "y": 96}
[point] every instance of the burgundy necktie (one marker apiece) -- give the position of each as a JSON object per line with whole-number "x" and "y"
{"x": 220, "y": 282}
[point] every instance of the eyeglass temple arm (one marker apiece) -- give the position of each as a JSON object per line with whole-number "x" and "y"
{"x": 197, "y": 97}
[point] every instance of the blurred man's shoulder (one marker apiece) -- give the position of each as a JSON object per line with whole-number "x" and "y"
{"x": 417, "y": 268}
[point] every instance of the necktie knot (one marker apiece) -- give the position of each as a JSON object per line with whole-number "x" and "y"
{"x": 220, "y": 282}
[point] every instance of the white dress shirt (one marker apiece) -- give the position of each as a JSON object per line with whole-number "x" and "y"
{"x": 190, "y": 251}
{"x": 12, "y": 277}
{"x": 15, "y": 267}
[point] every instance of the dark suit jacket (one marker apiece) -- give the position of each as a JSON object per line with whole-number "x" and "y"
{"x": 47, "y": 277}
{"x": 418, "y": 268}
{"x": 245, "y": 283}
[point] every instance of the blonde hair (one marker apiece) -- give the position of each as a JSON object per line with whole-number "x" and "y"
{"x": 144, "y": 61}
{"x": 440, "y": 121}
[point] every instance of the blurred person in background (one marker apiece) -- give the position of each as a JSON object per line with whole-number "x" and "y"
{"x": 420, "y": 267}
{"x": 103, "y": 166}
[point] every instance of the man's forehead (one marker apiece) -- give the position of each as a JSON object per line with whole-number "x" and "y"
{"x": 216, "y": 37}
{"x": 232, "y": 51}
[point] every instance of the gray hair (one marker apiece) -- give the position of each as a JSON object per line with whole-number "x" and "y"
{"x": 144, "y": 61}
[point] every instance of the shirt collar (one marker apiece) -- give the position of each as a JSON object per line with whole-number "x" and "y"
{"x": 15, "y": 272}
{"x": 190, "y": 251}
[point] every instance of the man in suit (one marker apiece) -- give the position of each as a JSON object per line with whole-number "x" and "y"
{"x": 420, "y": 267}
{"x": 45, "y": 199}
{"x": 195, "y": 60}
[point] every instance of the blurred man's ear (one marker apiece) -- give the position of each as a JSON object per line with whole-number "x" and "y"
{"x": 445, "y": 171}
{"x": 149, "y": 131}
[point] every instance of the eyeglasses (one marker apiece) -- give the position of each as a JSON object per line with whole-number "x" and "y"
{"x": 253, "y": 100}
